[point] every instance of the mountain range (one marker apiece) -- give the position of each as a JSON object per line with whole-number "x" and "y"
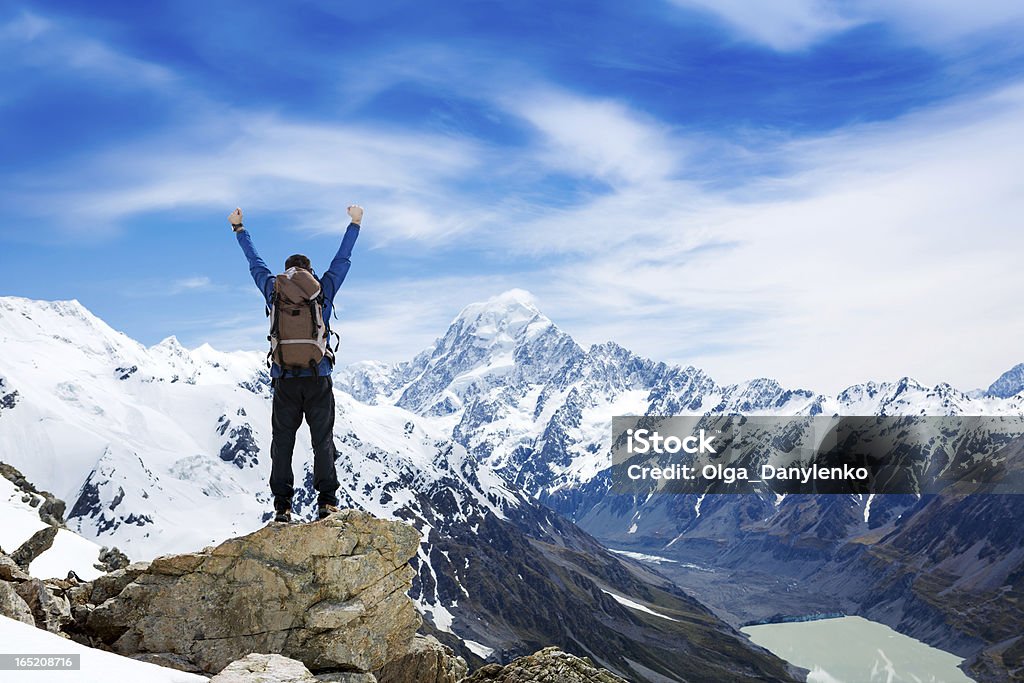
{"x": 494, "y": 442}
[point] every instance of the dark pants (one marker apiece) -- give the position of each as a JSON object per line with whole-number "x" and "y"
{"x": 295, "y": 397}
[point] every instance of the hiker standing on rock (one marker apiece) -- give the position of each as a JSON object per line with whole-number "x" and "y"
{"x": 301, "y": 360}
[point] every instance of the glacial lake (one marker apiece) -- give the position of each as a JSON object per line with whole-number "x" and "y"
{"x": 857, "y": 650}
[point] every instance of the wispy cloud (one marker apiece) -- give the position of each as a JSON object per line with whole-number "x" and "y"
{"x": 781, "y": 24}
{"x": 892, "y": 250}
{"x": 266, "y": 164}
{"x": 596, "y": 138}
{"x": 33, "y": 41}
{"x": 788, "y": 25}
{"x": 190, "y": 284}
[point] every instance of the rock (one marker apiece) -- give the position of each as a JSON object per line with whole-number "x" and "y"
{"x": 347, "y": 677}
{"x": 50, "y": 612}
{"x": 39, "y": 543}
{"x": 51, "y": 508}
{"x": 13, "y": 606}
{"x": 331, "y": 594}
{"x": 169, "y": 661}
{"x": 10, "y": 571}
{"x": 109, "y": 585}
{"x": 426, "y": 661}
{"x": 111, "y": 559}
{"x": 547, "y": 665}
{"x": 257, "y": 668}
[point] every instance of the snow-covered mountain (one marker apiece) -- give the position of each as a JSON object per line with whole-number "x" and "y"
{"x": 157, "y": 446}
{"x": 521, "y": 396}
{"x": 543, "y": 424}
{"x": 164, "y": 449}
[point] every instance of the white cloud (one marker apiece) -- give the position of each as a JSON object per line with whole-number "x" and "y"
{"x": 934, "y": 22}
{"x": 780, "y": 24}
{"x": 265, "y": 164}
{"x": 189, "y": 284}
{"x": 601, "y": 139}
{"x": 787, "y": 25}
{"x": 33, "y": 41}
{"x": 895, "y": 250}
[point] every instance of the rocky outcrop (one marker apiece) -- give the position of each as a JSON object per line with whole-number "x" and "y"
{"x": 29, "y": 600}
{"x": 549, "y": 664}
{"x": 111, "y": 559}
{"x": 10, "y": 571}
{"x": 50, "y": 609}
{"x": 426, "y": 661}
{"x": 36, "y": 545}
{"x": 13, "y": 606}
{"x": 330, "y": 594}
{"x": 51, "y": 508}
{"x": 257, "y": 668}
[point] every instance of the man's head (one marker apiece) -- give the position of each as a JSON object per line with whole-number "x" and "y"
{"x": 298, "y": 261}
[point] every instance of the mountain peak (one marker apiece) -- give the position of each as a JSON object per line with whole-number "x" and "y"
{"x": 511, "y": 304}
{"x": 1010, "y": 383}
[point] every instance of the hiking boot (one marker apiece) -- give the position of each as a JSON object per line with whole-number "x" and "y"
{"x": 325, "y": 511}
{"x": 284, "y": 516}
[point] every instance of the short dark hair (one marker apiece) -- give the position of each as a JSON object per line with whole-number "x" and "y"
{"x": 298, "y": 261}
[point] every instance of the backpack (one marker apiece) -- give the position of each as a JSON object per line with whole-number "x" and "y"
{"x": 299, "y": 334}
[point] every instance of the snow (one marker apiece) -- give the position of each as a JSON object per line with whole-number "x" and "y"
{"x": 641, "y": 557}
{"x": 69, "y": 552}
{"x": 97, "y": 666}
{"x": 636, "y": 605}
{"x": 481, "y": 651}
{"x": 20, "y": 520}
{"x": 441, "y": 617}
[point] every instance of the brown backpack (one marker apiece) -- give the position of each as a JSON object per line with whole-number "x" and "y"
{"x": 298, "y": 334}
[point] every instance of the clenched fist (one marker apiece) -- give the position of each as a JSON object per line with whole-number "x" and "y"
{"x": 355, "y": 212}
{"x": 235, "y": 219}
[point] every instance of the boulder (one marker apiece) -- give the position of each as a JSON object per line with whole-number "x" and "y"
{"x": 425, "y": 661}
{"x": 10, "y": 571}
{"x": 49, "y": 610}
{"x": 36, "y": 545}
{"x": 111, "y": 559}
{"x": 330, "y": 594}
{"x": 13, "y": 606}
{"x": 545, "y": 666}
{"x": 257, "y": 668}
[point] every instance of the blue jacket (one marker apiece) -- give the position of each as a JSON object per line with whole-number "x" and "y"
{"x": 329, "y": 283}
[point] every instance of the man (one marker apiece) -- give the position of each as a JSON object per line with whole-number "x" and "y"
{"x": 302, "y": 391}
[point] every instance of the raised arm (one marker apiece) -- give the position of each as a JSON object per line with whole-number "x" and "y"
{"x": 261, "y": 275}
{"x": 335, "y": 275}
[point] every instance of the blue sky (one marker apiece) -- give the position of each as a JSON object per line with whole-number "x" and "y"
{"x": 820, "y": 192}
